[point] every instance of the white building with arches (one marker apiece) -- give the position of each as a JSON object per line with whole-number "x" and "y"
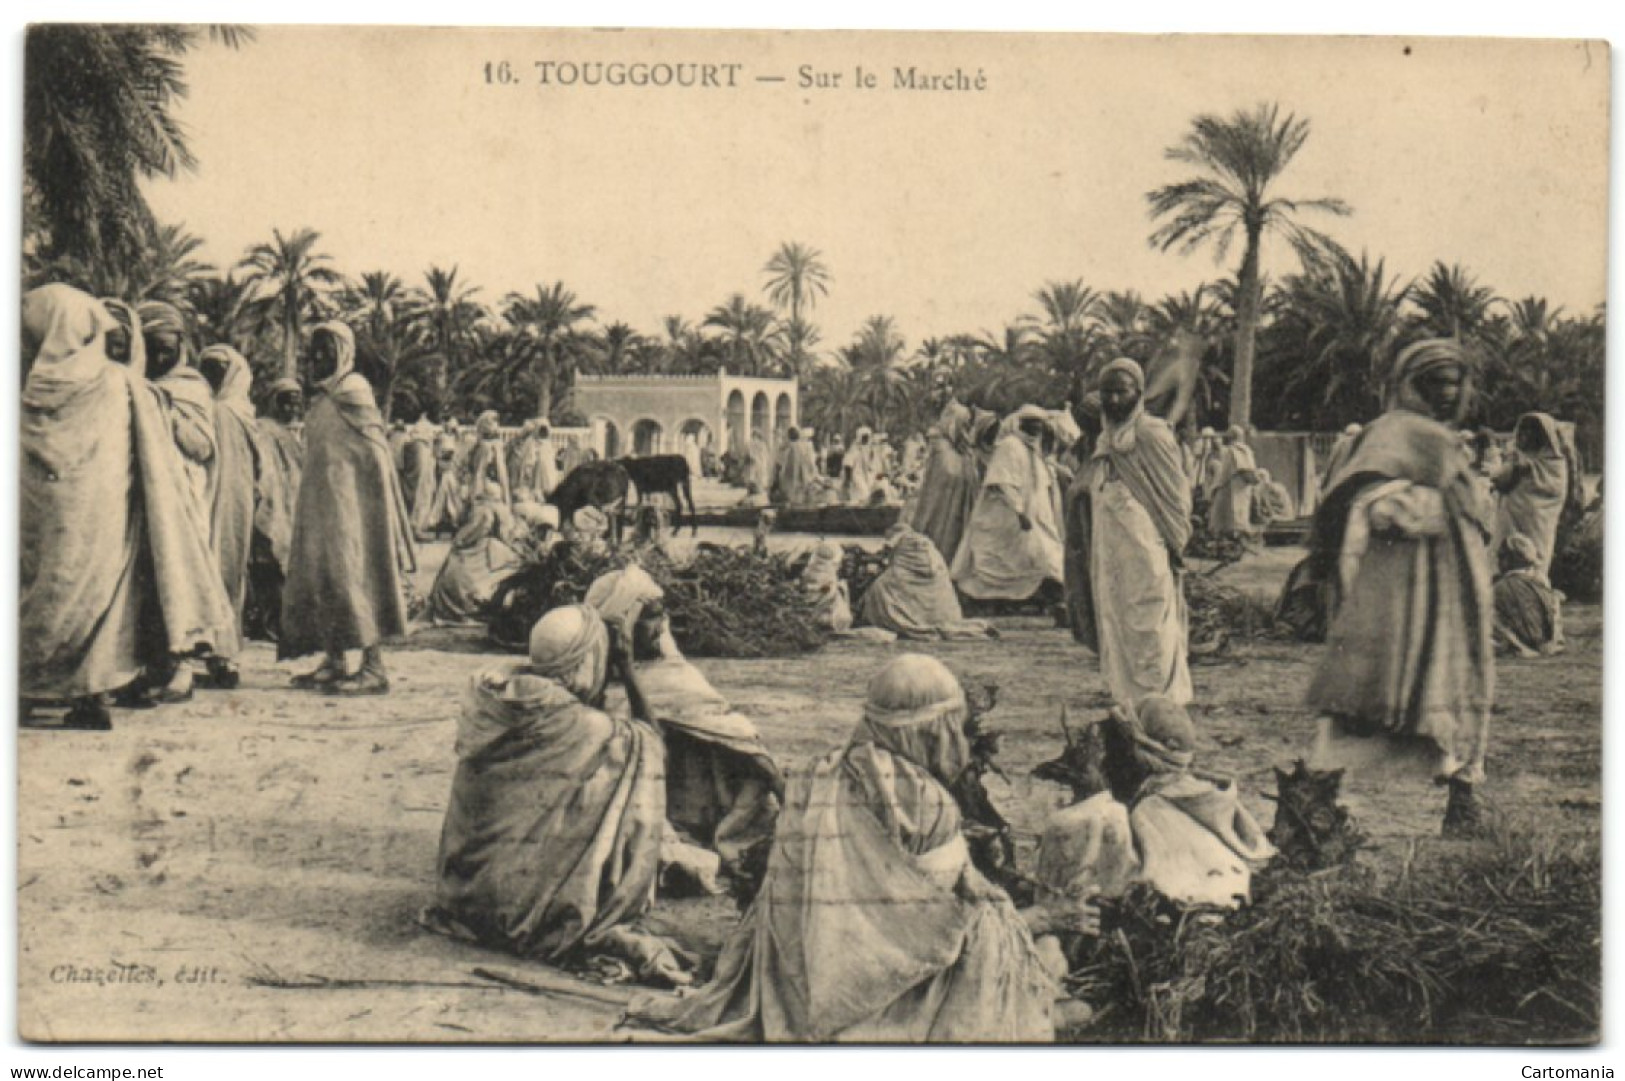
{"x": 641, "y": 415}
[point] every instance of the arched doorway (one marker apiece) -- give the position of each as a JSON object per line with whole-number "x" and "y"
{"x": 736, "y": 422}
{"x": 759, "y": 418}
{"x": 693, "y": 440}
{"x": 782, "y": 418}
{"x": 646, "y": 438}
{"x": 612, "y": 440}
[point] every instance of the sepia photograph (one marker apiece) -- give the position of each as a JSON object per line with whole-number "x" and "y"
{"x": 571, "y": 536}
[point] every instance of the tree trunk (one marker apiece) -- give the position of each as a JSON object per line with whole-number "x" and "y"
{"x": 290, "y": 340}
{"x": 544, "y": 395}
{"x": 1241, "y": 379}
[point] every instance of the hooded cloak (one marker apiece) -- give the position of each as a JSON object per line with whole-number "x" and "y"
{"x": 346, "y": 587}
{"x": 116, "y": 571}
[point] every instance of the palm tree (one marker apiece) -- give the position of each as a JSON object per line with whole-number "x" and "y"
{"x": 219, "y": 309}
{"x": 549, "y": 318}
{"x": 446, "y": 311}
{"x": 797, "y": 277}
{"x": 290, "y": 278}
{"x": 618, "y": 349}
{"x": 751, "y": 334}
{"x": 1239, "y": 159}
{"x": 1452, "y": 303}
{"x": 1064, "y": 325}
{"x": 1122, "y": 318}
{"x": 1329, "y": 347}
{"x": 389, "y": 339}
{"x": 98, "y": 118}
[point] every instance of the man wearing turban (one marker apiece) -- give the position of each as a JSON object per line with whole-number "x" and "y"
{"x": 116, "y": 574}
{"x": 1132, "y": 522}
{"x": 872, "y": 924}
{"x": 1406, "y": 681}
{"x": 552, "y": 838}
{"x": 351, "y": 542}
{"x": 237, "y": 472}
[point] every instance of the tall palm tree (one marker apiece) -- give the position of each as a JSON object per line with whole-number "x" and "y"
{"x": 446, "y": 310}
{"x": 750, "y": 333}
{"x": 290, "y": 278}
{"x": 98, "y": 118}
{"x": 389, "y": 339}
{"x": 549, "y": 318}
{"x": 797, "y": 277}
{"x": 1239, "y": 159}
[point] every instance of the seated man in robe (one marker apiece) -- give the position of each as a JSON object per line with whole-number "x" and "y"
{"x": 821, "y": 582}
{"x": 1012, "y": 547}
{"x": 1528, "y": 611}
{"x": 872, "y": 923}
{"x": 1271, "y": 501}
{"x": 914, "y": 596}
{"x": 551, "y": 844}
{"x": 479, "y": 560}
{"x": 1144, "y": 813}
{"x": 722, "y": 787}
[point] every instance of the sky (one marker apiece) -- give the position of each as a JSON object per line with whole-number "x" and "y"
{"x": 945, "y": 209}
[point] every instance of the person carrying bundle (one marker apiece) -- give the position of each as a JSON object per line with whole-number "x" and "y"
{"x": 1407, "y": 679}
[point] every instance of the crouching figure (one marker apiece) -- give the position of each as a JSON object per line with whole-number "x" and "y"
{"x": 1145, "y": 814}
{"x": 722, "y": 789}
{"x": 872, "y": 924}
{"x": 552, "y": 839}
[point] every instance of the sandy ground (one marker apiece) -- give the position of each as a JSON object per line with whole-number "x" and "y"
{"x": 170, "y": 869}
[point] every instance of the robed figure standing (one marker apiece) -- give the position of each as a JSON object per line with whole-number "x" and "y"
{"x": 1132, "y": 520}
{"x": 1406, "y": 682}
{"x": 351, "y": 542}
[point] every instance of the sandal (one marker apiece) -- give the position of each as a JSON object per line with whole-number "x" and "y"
{"x": 325, "y": 675}
{"x": 88, "y": 715}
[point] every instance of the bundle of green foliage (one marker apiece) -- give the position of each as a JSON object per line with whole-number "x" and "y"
{"x": 725, "y": 602}
{"x": 1497, "y": 941}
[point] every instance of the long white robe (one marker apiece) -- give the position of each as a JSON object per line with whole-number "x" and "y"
{"x": 1139, "y": 606}
{"x": 997, "y": 559}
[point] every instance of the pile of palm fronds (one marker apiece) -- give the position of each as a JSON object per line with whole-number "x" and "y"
{"x": 1577, "y": 570}
{"x": 1496, "y": 941}
{"x": 725, "y": 602}
{"x": 737, "y": 602}
{"x": 1220, "y": 614}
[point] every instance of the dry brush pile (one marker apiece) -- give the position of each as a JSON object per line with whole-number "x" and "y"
{"x": 1495, "y": 941}
{"x": 724, "y": 602}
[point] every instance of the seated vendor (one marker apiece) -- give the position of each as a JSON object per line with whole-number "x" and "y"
{"x": 722, "y": 787}
{"x": 914, "y": 597}
{"x": 552, "y": 838}
{"x": 1528, "y": 611}
{"x": 479, "y": 560}
{"x": 872, "y": 923}
{"x": 821, "y": 582}
{"x": 1143, "y": 815}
